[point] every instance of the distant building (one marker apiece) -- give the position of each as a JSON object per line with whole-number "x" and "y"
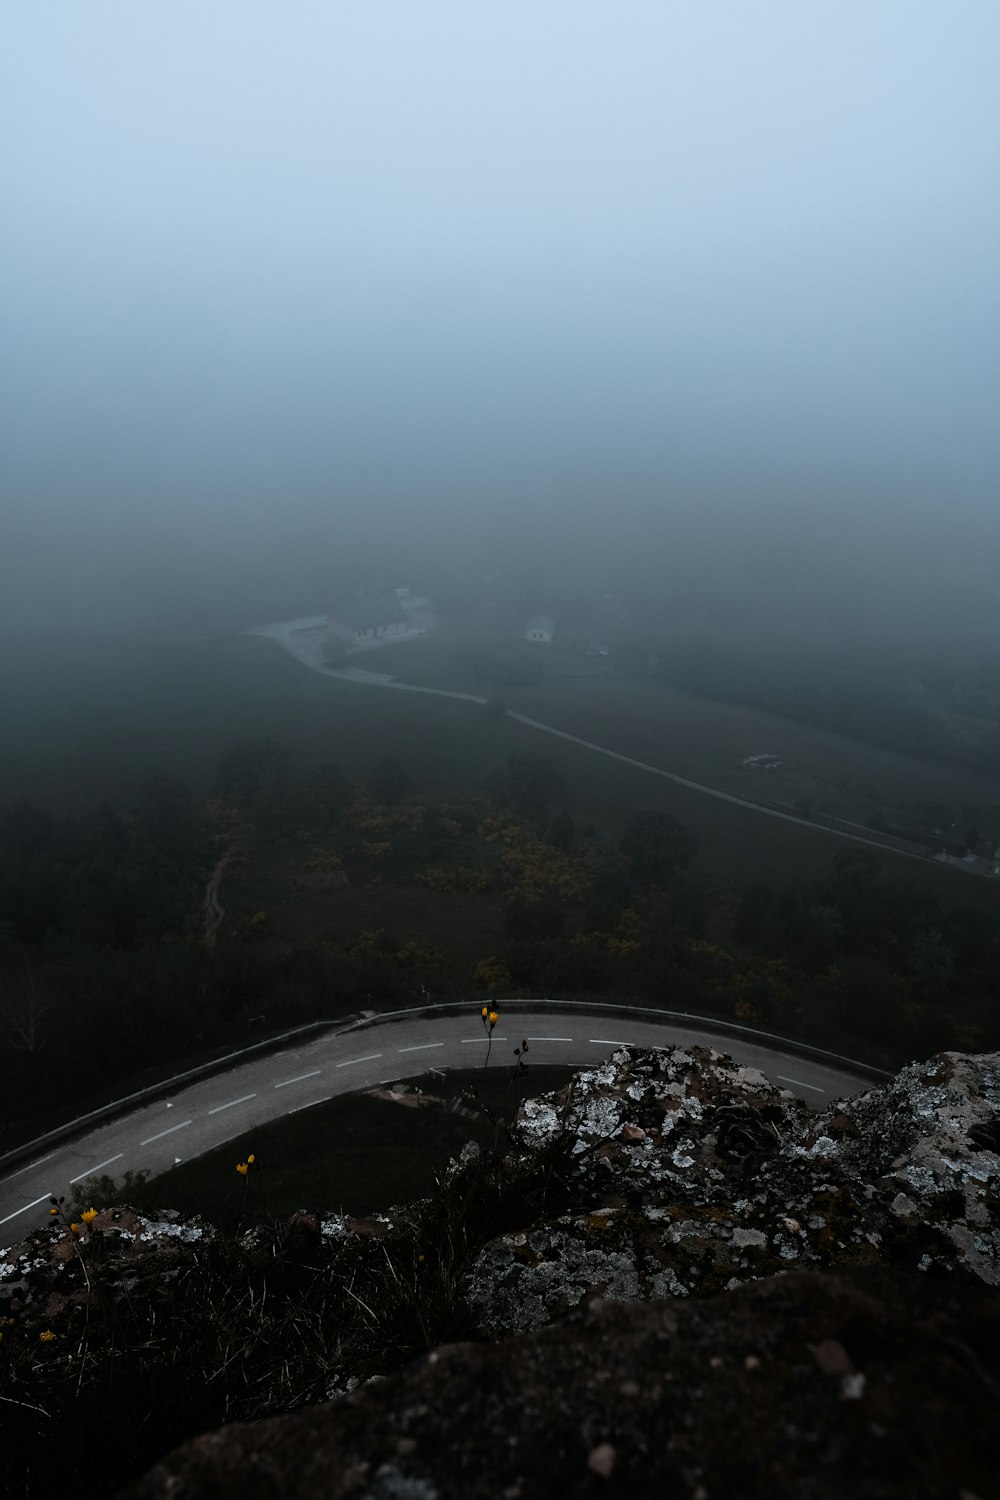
{"x": 541, "y": 628}
{"x": 371, "y": 620}
{"x": 977, "y": 864}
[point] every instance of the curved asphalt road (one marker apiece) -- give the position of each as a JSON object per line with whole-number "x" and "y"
{"x": 206, "y": 1114}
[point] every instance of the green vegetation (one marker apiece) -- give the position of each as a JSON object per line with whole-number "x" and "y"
{"x": 133, "y": 1360}
{"x": 358, "y": 1154}
{"x": 337, "y": 848}
{"x": 85, "y": 720}
{"x": 324, "y": 902}
{"x": 308, "y": 848}
{"x": 628, "y": 705}
{"x": 935, "y": 699}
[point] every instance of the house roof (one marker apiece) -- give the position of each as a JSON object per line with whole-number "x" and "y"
{"x": 542, "y": 622}
{"x": 367, "y": 614}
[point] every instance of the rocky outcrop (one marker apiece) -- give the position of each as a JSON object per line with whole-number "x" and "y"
{"x": 44, "y": 1276}
{"x": 674, "y": 1277}
{"x": 689, "y": 1175}
{"x": 803, "y": 1385}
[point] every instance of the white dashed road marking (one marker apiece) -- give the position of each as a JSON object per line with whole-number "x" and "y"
{"x": 24, "y": 1210}
{"x": 169, "y": 1131}
{"x": 242, "y": 1100}
{"x": 286, "y": 1081}
{"x": 423, "y": 1047}
{"x": 799, "y": 1084}
{"x": 480, "y": 1041}
{"x": 91, "y": 1170}
{"x": 550, "y": 1038}
{"x": 603, "y": 1041}
{"x": 351, "y": 1060}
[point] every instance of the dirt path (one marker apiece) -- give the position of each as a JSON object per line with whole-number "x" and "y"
{"x": 214, "y": 911}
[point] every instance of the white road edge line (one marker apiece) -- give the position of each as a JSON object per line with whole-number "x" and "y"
{"x": 310, "y": 1105}
{"x": 423, "y": 1047}
{"x": 603, "y": 1041}
{"x": 91, "y": 1170}
{"x": 169, "y": 1131}
{"x": 799, "y": 1084}
{"x": 18, "y": 1211}
{"x": 351, "y": 1060}
{"x": 286, "y": 1081}
{"x": 242, "y": 1100}
{"x": 21, "y": 1170}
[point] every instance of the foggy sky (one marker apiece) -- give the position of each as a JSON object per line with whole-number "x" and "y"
{"x": 574, "y": 281}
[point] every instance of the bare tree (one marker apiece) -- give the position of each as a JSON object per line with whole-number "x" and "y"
{"x": 23, "y": 1012}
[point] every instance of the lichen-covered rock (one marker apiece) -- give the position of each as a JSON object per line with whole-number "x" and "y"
{"x": 800, "y": 1367}
{"x": 45, "y": 1275}
{"x": 804, "y": 1386}
{"x": 690, "y": 1174}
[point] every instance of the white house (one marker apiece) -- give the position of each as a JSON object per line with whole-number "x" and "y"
{"x": 541, "y": 628}
{"x": 378, "y": 619}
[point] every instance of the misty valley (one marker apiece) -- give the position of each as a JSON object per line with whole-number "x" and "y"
{"x": 499, "y": 750}
{"x": 221, "y": 836}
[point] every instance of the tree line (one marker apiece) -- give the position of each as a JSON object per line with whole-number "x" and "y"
{"x": 105, "y": 971}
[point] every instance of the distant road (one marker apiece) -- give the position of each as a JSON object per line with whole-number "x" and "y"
{"x": 206, "y": 1114}
{"x": 299, "y": 640}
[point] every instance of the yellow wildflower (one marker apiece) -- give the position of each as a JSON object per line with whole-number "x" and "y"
{"x": 46, "y": 1337}
{"x": 89, "y": 1215}
{"x": 494, "y": 1018}
{"x": 74, "y": 1229}
{"x": 243, "y": 1168}
{"x": 53, "y": 1210}
{"x": 250, "y": 1159}
{"x": 484, "y": 1013}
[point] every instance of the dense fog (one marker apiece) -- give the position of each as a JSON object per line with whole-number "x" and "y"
{"x": 698, "y": 303}
{"x": 500, "y": 537}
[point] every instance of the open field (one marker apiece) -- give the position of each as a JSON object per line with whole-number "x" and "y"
{"x": 86, "y": 720}
{"x": 357, "y": 1154}
{"x": 707, "y": 741}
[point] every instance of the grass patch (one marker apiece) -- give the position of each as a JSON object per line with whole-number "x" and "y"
{"x": 707, "y": 740}
{"x": 146, "y": 1345}
{"x": 355, "y": 1154}
{"x": 85, "y": 721}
